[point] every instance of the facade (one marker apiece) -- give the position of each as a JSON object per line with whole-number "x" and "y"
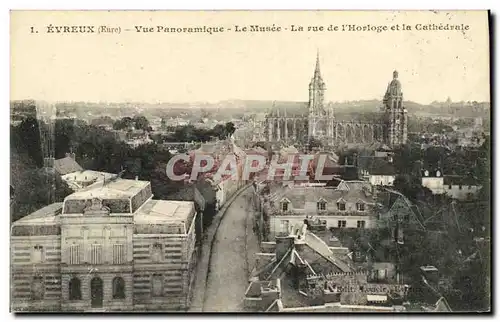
{"x": 454, "y": 186}
{"x": 109, "y": 247}
{"x": 315, "y": 120}
{"x": 349, "y": 205}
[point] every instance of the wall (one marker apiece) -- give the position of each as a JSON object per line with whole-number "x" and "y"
{"x": 462, "y": 194}
{"x": 383, "y": 180}
{"x": 23, "y": 270}
{"x": 331, "y": 221}
{"x": 435, "y": 184}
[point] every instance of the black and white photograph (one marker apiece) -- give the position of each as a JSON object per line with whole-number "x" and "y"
{"x": 250, "y": 162}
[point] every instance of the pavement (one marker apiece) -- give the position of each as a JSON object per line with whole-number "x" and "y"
{"x": 228, "y": 273}
{"x": 223, "y": 268}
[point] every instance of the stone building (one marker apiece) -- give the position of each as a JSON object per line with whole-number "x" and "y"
{"x": 351, "y": 204}
{"x": 302, "y": 122}
{"x": 109, "y": 247}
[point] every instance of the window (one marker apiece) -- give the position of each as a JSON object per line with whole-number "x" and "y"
{"x": 75, "y": 291}
{"x": 361, "y": 224}
{"x": 341, "y": 205}
{"x": 460, "y": 187}
{"x": 37, "y": 288}
{"x": 74, "y": 254}
{"x": 360, "y": 206}
{"x": 321, "y": 205}
{"x": 284, "y": 206}
{"x": 157, "y": 253}
{"x": 118, "y": 254}
{"x": 449, "y": 187}
{"x": 470, "y": 187}
{"x": 95, "y": 254}
{"x": 38, "y": 255}
{"x": 118, "y": 288}
{"x": 342, "y": 223}
{"x": 157, "y": 285}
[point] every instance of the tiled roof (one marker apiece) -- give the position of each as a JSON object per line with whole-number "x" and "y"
{"x": 66, "y": 165}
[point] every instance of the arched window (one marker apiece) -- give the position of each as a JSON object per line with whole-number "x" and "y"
{"x": 37, "y": 288}
{"x": 75, "y": 291}
{"x": 118, "y": 288}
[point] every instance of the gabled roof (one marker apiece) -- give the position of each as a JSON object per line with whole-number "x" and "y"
{"x": 66, "y": 165}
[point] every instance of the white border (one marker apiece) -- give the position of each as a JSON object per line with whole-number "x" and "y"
{"x": 192, "y": 5}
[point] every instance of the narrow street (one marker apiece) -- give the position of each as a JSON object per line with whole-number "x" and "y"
{"x": 228, "y": 271}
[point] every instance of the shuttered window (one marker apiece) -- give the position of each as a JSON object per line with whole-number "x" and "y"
{"x": 74, "y": 254}
{"x": 96, "y": 254}
{"x": 118, "y": 254}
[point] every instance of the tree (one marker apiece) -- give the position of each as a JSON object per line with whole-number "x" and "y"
{"x": 25, "y": 138}
{"x": 33, "y": 191}
{"x": 123, "y": 124}
{"x": 229, "y": 129}
{"x": 141, "y": 123}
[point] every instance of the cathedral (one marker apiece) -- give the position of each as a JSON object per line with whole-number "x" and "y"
{"x": 299, "y": 124}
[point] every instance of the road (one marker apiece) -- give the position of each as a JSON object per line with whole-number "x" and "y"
{"x": 228, "y": 271}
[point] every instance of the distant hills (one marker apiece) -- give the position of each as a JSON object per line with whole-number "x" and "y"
{"x": 237, "y": 108}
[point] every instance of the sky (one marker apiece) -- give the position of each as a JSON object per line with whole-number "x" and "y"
{"x": 166, "y": 67}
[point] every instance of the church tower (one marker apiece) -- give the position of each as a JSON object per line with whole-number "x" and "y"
{"x": 316, "y": 99}
{"x": 396, "y": 116}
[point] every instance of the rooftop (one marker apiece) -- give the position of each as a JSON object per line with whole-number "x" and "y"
{"x": 44, "y": 216}
{"x": 66, "y": 165}
{"x": 164, "y": 212}
{"x": 121, "y": 188}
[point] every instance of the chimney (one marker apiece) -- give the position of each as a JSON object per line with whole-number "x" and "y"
{"x": 136, "y": 178}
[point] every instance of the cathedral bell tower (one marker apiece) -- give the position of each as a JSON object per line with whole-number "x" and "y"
{"x": 396, "y": 116}
{"x": 316, "y": 99}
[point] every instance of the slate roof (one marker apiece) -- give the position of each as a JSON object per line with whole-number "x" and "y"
{"x": 300, "y": 255}
{"x": 298, "y": 196}
{"x": 66, "y": 165}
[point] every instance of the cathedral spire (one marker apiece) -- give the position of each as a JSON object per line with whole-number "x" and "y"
{"x": 317, "y": 70}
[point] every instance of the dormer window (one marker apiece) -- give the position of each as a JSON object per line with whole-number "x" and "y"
{"x": 360, "y": 206}
{"x": 284, "y": 205}
{"x": 321, "y": 205}
{"x": 341, "y": 205}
